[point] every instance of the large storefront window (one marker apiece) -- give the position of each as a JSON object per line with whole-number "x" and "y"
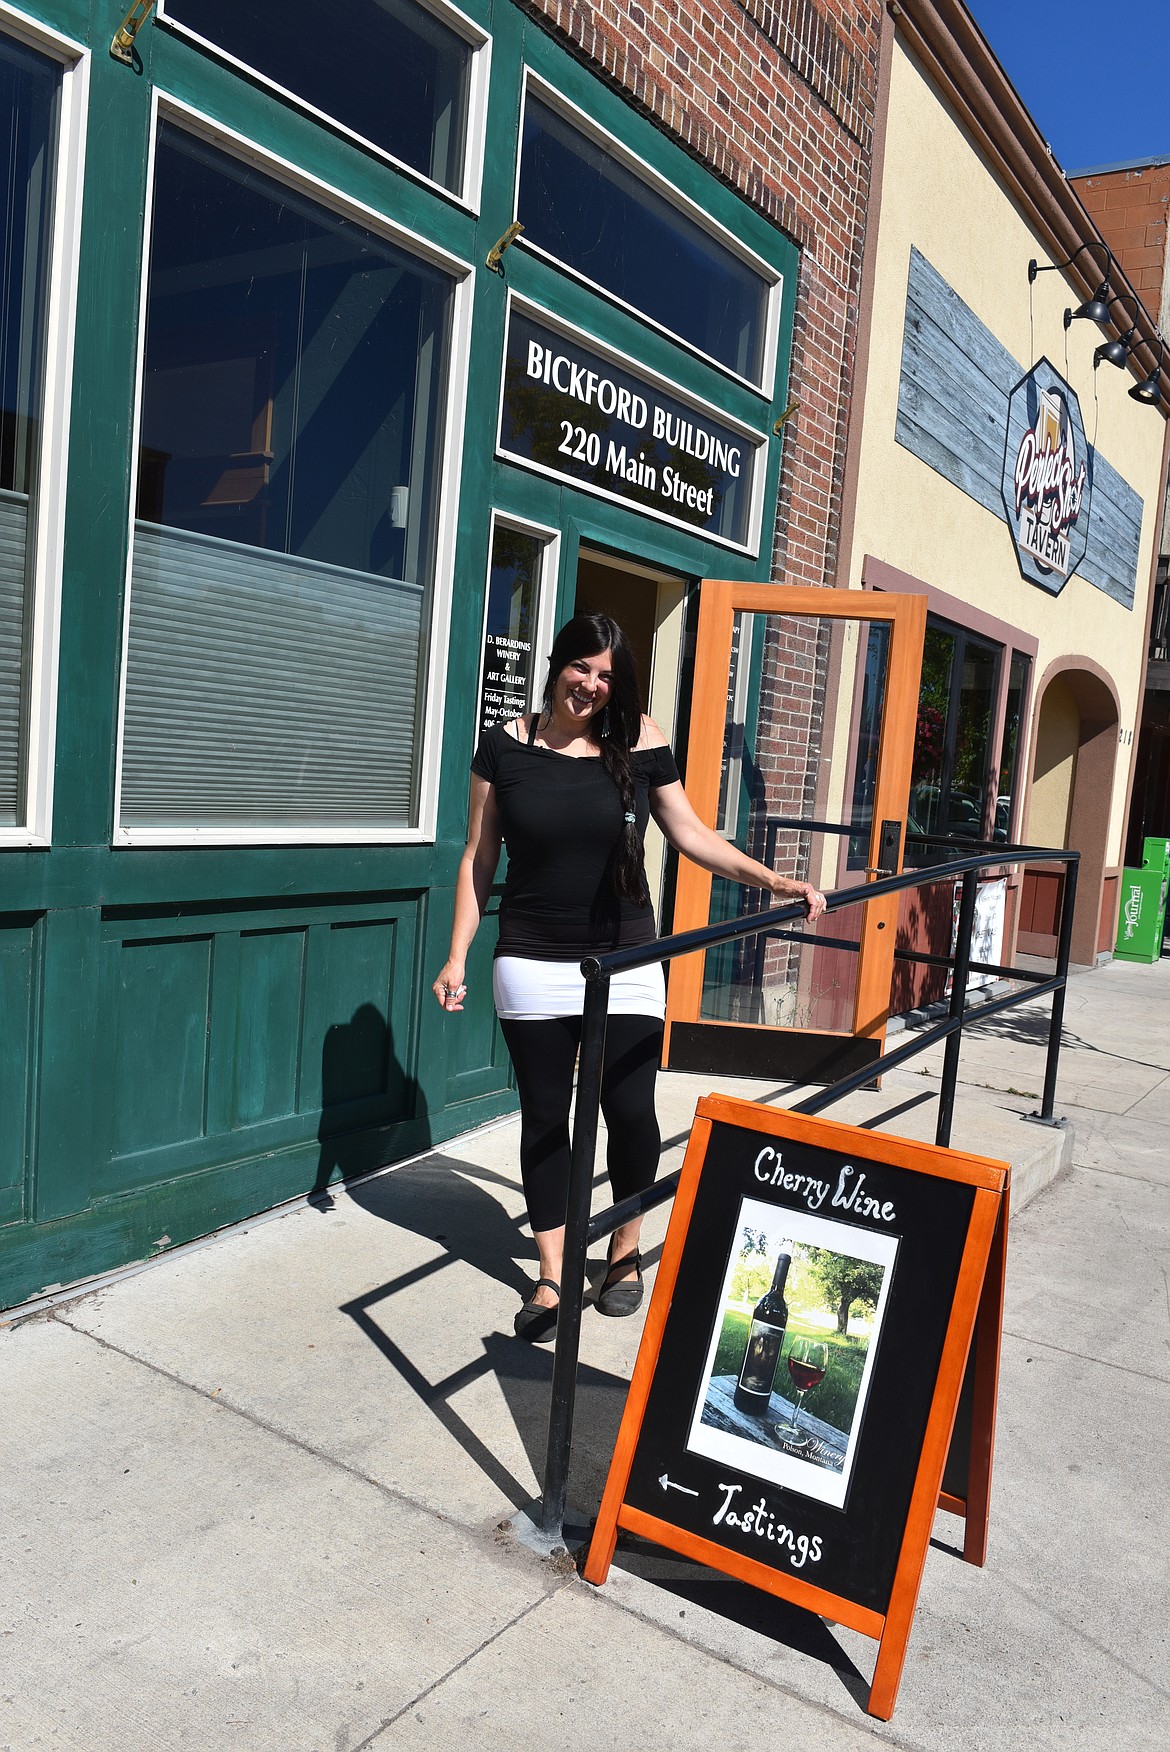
{"x": 595, "y": 214}
{"x": 292, "y": 424}
{"x": 952, "y": 748}
{"x": 388, "y": 71}
{"x": 29, "y": 86}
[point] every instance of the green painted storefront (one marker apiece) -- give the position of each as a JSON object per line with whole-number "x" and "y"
{"x": 196, "y": 1025}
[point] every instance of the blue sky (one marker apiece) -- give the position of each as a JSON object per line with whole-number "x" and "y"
{"x": 1080, "y": 79}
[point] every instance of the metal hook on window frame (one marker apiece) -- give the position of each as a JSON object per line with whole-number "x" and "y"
{"x": 791, "y": 409}
{"x": 122, "y": 47}
{"x": 495, "y": 253}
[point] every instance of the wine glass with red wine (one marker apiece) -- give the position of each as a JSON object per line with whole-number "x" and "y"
{"x": 808, "y": 1358}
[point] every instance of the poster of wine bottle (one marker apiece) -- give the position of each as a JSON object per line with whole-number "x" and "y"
{"x": 783, "y": 1392}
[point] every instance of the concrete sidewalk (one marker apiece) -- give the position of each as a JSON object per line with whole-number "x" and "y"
{"x": 259, "y": 1495}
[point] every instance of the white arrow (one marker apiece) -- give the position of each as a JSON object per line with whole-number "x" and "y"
{"x": 669, "y": 1484}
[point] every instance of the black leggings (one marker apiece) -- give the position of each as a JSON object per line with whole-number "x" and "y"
{"x": 544, "y": 1054}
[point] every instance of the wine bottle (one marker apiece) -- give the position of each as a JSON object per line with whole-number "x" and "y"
{"x": 765, "y": 1341}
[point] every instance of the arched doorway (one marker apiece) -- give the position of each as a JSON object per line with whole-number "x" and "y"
{"x": 1070, "y": 798}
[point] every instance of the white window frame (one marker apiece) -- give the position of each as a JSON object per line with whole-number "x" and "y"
{"x": 638, "y": 167}
{"x": 753, "y": 435}
{"x": 167, "y": 107}
{"x": 47, "y": 528}
{"x": 473, "y": 34}
{"x": 550, "y": 571}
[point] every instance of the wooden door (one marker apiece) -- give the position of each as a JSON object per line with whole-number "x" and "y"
{"x": 804, "y": 709}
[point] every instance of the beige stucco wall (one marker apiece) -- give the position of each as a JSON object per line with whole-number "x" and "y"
{"x": 939, "y": 195}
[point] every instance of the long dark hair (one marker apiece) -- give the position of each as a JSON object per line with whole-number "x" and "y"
{"x": 615, "y": 730}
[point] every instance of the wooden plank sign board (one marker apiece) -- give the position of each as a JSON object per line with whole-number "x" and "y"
{"x": 811, "y": 1474}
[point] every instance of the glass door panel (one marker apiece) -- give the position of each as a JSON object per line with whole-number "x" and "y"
{"x": 809, "y": 762}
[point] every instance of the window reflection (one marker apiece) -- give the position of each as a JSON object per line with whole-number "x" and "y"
{"x": 867, "y": 747}
{"x": 292, "y": 365}
{"x": 1005, "y": 802}
{"x": 586, "y": 208}
{"x": 952, "y": 745}
{"x": 292, "y": 428}
{"x": 387, "y": 70}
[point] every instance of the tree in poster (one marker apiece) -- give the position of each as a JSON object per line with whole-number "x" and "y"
{"x": 753, "y": 1270}
{"x": 843, "y": 1282}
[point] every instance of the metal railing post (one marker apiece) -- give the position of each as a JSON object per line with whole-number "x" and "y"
{"x": 950, "y": 1075}
{"x": 1056, "y": 1019}
{"x": 568, "y": 1343}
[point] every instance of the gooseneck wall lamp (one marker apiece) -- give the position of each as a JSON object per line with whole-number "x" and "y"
{"x": 1150, "y": 392}
{"x": 1117, "y": 352}
{"x": 1097, "y": 308}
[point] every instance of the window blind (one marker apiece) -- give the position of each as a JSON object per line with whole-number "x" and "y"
{"x": 267, "y": 690}
{"x": 13, "y": 547}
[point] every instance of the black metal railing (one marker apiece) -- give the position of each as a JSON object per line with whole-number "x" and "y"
{"x": 581, "y": 1231}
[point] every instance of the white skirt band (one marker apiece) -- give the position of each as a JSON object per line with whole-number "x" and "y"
{"x": 534, "y": 991}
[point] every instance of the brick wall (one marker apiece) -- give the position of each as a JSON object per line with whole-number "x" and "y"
{"x": 777, "y": 98}
{"x": 1130, "y": 209}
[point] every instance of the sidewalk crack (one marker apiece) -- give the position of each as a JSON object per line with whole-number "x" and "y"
{"x": 852, "y": 1679}
{"x": 442, "y": 1679}
{"x": 1082, "y": 1357}
{"x": 272, "y": 1429}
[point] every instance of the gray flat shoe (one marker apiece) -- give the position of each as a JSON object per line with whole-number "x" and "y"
{"x": 618, "y": 1300}
{"x": 533, "y": 1321}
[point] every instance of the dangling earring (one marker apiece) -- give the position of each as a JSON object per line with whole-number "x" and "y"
{"x": 604, "y": 731}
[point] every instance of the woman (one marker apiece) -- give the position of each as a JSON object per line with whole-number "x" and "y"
{"x": 569, "y": 790}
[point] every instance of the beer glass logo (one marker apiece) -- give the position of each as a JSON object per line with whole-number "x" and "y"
{"x": 1049, "y": 484}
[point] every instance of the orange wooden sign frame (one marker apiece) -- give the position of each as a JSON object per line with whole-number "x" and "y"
{"x": 981, "y": 1385}
{"x": 976, "y": 1303}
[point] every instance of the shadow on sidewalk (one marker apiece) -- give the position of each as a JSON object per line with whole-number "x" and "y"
{"x": 453, "y": 1203}
{"x": 448, "y": 1201}
{"x": 1031, "y": 1027}
{"x": 763, "y": 1614}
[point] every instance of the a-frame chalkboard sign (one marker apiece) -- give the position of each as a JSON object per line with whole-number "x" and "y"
{"x": 813, "y": 1473}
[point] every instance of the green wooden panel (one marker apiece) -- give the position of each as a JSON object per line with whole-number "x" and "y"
{"x": 262, "y": 879}
{"x": 18, "y": 951}
{"x": 234, "y": 1035}
{"x": 37, "y": 1257}
{"x": 71, "y": 17}
{"x": 266, "y": 1060}
{"x": 358, "y": 1075}
{"x": 477, "y": 1059}
{"x": 160, "y": 990}
{"x": 73, "y": 1094}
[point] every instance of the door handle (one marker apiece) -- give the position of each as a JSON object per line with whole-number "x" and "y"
{"x": 889, "y": 845}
